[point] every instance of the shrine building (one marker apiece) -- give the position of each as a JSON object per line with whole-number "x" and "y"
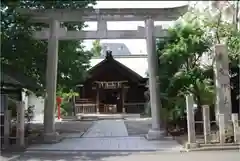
{"x": 111, "y": 88}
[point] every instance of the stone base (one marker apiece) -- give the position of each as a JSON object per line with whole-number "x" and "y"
{"x": 50, "y": 138}
{"x": 155, "y": 134}
{"x": 192, "y": 145}
{"x": 78, "y": 117}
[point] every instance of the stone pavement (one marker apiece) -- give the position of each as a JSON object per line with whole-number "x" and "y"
{"x": 109, "y": 135}
{"x": 126, "y": 156}
{"x": 107, "y": 128}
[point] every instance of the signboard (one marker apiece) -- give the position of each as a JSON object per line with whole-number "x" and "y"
{"x": 110, "y": 84}
{"x": 222, "y": 82}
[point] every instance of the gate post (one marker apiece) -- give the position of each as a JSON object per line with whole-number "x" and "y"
{"x": 206, "y": 124}
{"x": 191, "y": 123}
{"x": 222, "y": 124}
{"x": 20, "y": 124}
{"x": 236, "y": 127}
{"x": 7, "y": 126}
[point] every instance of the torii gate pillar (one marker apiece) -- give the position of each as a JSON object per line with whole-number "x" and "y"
{"x": 155, "y": 132}
{"x": 51, "y": 83}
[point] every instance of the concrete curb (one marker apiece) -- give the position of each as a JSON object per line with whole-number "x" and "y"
{"x": 213, "y": 148}
{"x": 101, "y": 151}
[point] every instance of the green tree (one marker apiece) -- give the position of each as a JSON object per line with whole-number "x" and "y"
{"x": 222, "y": 19}
{"x": 22, "y": 52}
{"x": 67, "y": 104}
{"x": 180, "y": 69}
{"x": 97, "y": 48}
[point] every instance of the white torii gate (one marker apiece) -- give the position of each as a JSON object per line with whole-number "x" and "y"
{"x": 54, "y": 16}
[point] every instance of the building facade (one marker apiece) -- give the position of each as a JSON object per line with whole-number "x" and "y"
{"x": 111, "y": 88}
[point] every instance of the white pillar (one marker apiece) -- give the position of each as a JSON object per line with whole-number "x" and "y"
{"x": 221, "y": 118}
{"x": 154, "y": 132}
{"x": 97, "y": 100}
{"x": 191, "y": 144}
{"x": 206, "y": 124}
{"x": 222, "y": 82}
{"x": 51, "y": 82}
{"x": 25, "y": 98}
{"x": 190, "y": 119}
{"x": 235, "y": 127}
{"x": 21, "y": 124}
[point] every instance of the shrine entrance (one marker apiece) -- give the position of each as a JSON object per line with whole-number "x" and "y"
{"x": 111, "y": 88}
{"x": 111, "y": 100}
{"x": 110, "y": 96}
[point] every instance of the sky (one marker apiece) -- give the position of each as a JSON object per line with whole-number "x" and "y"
{"x": 140, "y": 48}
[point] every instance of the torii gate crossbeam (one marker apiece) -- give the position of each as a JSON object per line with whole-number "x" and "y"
{"x": 107, "y": 14}
{"x": 55, "y": 33}
{"x": 63, "y": 34}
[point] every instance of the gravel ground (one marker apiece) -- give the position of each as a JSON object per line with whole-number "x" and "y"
{"x": 138, "y": 127}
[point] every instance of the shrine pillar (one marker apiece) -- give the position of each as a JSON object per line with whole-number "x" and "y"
{"x": 123, "y": 99}
{"x": 97, "y": 99}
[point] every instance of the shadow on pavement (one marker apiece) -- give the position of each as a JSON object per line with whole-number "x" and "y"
{"x": 78, "y": 156}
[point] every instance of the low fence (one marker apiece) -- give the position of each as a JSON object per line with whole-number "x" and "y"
{"x": 137, "y": 107}
{"x": 85, "y": 108}
{"x": 222, "y": 124}
{"x": 9, "y": 123}
{"x": 107, "y": 108}
{"x": 223, "y": 130}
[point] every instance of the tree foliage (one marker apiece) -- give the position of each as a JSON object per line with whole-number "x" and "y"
{"x": 66, "y": 104}
{"x": 24, "y": 53}
{"x": 179, "y": 66}
{"x": 222, "y": 19}
{"x": 181, "y": 70}
{"x": 97, "y": 48}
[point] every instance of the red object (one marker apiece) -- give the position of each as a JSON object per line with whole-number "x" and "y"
{"x": 59, "y": 101}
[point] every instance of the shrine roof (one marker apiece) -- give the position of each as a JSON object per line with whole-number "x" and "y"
{"x": 136, "y": 63}
{"x": 11, "y": 76}
{"x": 101, "y": 65}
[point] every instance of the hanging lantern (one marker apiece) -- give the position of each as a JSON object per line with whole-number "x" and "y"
{"x": 59, "y": 100}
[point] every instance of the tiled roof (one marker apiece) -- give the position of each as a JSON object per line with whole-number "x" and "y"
{"x": 137, "y": 64}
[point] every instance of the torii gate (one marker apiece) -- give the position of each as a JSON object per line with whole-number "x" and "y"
{"x": 54, "y": 16}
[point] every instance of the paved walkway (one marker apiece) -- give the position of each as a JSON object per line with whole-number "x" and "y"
{"x": 107, "y": 128}
{"x": 126, "y": 156}
{"x": 109, "y": 135}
